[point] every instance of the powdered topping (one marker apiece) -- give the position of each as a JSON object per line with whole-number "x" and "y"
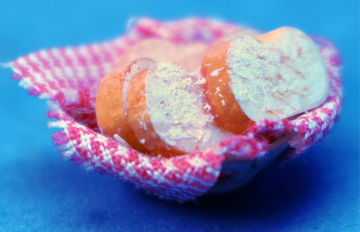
{"x": 216, "y": 72}
{"x": 177, "y": 109}
{"x": 277, "y": 79}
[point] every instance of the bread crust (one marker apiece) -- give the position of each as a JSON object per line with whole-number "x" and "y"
{"x": 140, "y": 121}
{"x": 227, "y": 112}
{"x": 110, "y": 109}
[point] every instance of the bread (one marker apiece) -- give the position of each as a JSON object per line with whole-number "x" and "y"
{"x": 111, "y": 109}
{"x": 184, "y": 98}
{"x": 272, "y": 76}
{"x": 167, "y": 111}
{"x": 187, "y": 56}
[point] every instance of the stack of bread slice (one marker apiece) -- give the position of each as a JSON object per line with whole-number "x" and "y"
{"x": 167, "y": 99}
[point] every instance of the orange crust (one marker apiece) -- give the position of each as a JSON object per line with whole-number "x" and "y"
{"x": 227, "y": 112}
{"x": 110, "y": 109}
{"x": 139, "y": 118}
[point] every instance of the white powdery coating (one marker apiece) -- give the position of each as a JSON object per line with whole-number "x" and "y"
{"x": 176, "y": 109}
{"x": 279, "y": 79}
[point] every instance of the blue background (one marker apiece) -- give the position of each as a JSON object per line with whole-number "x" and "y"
{"x": 39, "y": 191}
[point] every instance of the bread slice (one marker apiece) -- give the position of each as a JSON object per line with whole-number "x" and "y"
{"x": 272, "y": 76}
{"x": 156, "y": 49}
{"x": 167, "y": 111}
{"x": 188, "y": 56}
{"x": 111, "y": 108}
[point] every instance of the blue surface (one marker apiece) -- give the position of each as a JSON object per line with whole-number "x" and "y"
{"x": 39, "y": 191}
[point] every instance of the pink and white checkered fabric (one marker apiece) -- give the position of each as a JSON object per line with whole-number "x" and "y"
{"x": 69, "y": 77}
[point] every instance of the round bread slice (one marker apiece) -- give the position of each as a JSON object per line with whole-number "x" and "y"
{"x": 167, "y": 111}
{"x": 156, "y": 49}
{"x": 188, "y": 56}
{"x": 272, "y": 76}
{"x": 111, "y": 108}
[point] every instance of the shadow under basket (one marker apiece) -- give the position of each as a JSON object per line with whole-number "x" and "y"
{"x": 68, "y": 78}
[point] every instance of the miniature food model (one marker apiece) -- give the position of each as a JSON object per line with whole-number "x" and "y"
{"x": 167, "y": 111}
{"x": 272, "y": 76}
{"x": 168, "y": 99}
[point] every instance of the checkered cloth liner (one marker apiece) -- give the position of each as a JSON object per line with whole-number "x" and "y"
{"x": 69, "y": 77}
